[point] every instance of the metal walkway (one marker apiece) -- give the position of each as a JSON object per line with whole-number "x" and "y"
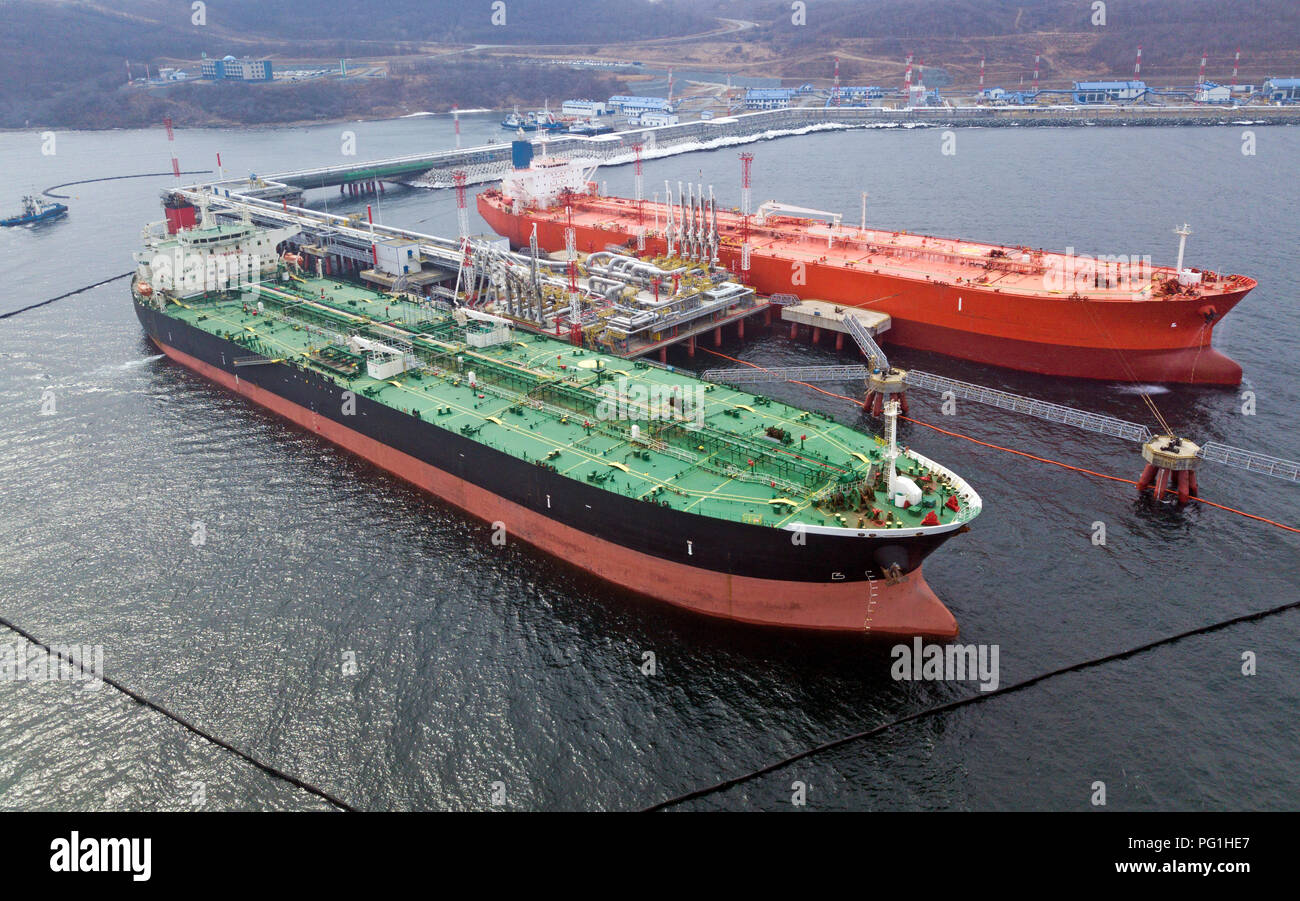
{"x": 1250, "y": 460}
{"x": 747, "y": 376}
{"x": 1015, "y": 403}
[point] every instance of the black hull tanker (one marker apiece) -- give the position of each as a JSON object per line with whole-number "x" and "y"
{"x": 577, "y": 454}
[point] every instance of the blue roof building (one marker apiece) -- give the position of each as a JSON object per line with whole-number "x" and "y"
{"x": 1108, "y": 91}
{"x": 768, "y": 98}
{"x": 1281, "y": 90}
{"x": 629, "y": 103}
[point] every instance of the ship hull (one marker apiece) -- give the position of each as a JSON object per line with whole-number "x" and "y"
{"x": 1049, "y": 334}
{"x": 57, "y": 211}
{"x": 727, "y": 570}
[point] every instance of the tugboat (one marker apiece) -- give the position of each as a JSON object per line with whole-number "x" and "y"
{"x": 515, "y": 121}
{"x": 541, "y": 120}
{"x": 35, "y": 210}
{"x": 589, "y": 127}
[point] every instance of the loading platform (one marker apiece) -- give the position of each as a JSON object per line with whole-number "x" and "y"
{"x": 819, "y": 315}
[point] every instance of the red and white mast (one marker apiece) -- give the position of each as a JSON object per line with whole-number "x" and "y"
{"x": 374, "y": 248}
{"x": 1205, "y": 55}
{"x": 571, "y": 251}
{"x": 1236, "y": 61}
{"x": 1137, "y": 66}
{"x": 462, "y": 212}
{"x": 455, "y": 114}
{"x": 1037, "y": 59}
{"x": 640, "y": 200}
{"x": 746, "y": 173}
{"x": 171, "y": 143}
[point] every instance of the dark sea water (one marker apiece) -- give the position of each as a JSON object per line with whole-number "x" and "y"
{"x": 479, "y": 664}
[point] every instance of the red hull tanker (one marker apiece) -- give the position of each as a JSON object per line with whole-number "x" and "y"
{"x": 1119, "y": 319}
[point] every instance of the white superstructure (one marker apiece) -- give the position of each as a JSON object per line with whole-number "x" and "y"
{"x": 543, "y": 183}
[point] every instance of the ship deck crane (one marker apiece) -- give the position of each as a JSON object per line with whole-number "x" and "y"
{"x": 773, "y": 206}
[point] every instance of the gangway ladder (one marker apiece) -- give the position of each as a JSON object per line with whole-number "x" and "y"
{"x": 870, "y": 348}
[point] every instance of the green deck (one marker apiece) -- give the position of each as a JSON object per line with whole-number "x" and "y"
{"x": 540, "y": 399}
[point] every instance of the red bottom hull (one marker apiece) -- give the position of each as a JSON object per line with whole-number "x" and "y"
{"x": 1196, "y": 365}
{"x": 909, "y": 607}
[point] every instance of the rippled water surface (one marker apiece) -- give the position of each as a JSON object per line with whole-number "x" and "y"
{"x": 479, "y": 664}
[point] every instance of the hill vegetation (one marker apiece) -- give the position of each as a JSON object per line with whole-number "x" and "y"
{"x": 63, "y": 62}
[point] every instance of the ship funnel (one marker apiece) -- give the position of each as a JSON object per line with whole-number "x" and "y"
{"x": 521, "y": 154}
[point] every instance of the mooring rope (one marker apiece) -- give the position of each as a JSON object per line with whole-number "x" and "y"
{"x": 967, "y": 701}
{"x": 62, "y": 296}
{"x": 176, "y": 718}
{"x": 49, "y": 192}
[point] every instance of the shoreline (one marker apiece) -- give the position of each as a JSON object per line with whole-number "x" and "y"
{"x": 951, "y": 117}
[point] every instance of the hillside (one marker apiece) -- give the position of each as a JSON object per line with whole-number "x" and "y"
{"x": 440, "y": 52}
{"x": 86, "y": 89}
{"x": 872, "y": 38}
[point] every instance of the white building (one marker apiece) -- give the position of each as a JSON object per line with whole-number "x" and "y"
{"x": 627, "y": 103}
{"x": 1209, "y": 92}
{"x": 584, "y": 108}
{"x": 397, "y": 256}
{"x": 650, "y": 119}
{"x": 230, "y": 69}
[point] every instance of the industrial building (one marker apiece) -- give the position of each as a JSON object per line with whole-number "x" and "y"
{"x": 768, "y": 98}
{"x": 626, "y": 103}
{"x": 652, "y": 119}
{"x": 1281, "y": 90}
{"x": 584, "y": 108}
{"x": 230, "y": 69}
{"x": 1209, "y": 92}
{"x": 862, "y": 92}
{"x": 1108, "y": 91}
